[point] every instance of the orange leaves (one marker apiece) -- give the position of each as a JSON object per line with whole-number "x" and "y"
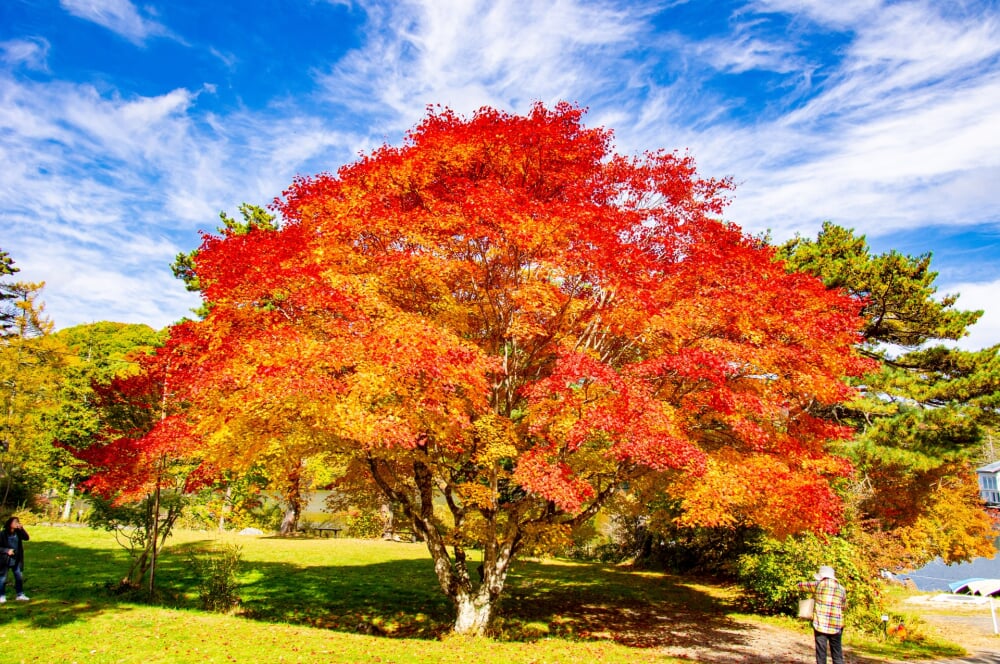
{"x": 766, "y": 491}
{"x": 505, "y": 296}
{"x": 536, "y": 302}
{"x": 433, "y": 380}
{"x": 476, "y": 495}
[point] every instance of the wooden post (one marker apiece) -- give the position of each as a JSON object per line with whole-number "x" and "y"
{"x": 993, "y": 612}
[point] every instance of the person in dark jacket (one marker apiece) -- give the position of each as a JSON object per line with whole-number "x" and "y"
{"x": 12, "y": 539}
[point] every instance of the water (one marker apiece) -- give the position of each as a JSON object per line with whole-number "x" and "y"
{"x": 937, "y": 575}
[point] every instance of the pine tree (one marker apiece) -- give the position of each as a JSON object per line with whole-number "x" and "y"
{"x": 923, "y": 415}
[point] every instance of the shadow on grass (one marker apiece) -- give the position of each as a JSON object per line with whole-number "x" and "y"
{"x": 397, "y": 598}
{"x": 606, "y": 602}
{"x": 584, "y": 601}
{"x": 67, "y": 584}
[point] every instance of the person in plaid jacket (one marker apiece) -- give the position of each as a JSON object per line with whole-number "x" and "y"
{"x": 828, "y": 615}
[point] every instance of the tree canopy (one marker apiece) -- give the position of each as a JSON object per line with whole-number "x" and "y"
{"x": 502, "y": 323}
{"x": 32, "y": 362}
{"x": 97, "y": 353}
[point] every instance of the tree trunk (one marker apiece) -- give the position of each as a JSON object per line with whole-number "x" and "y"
{"x": 295, "y": 499}
{"x": 388, "y": 518}
{"x": 475, "y": 603}
{"x": 475, "y": 607}
{"x": 137, "y": 572}
{"x": 474, "y": 613}
{"x": 290, "y": 523}
{"x": 68, "y": 506}
{"x": 154, "y": 545}
{"x": 225, "y": 507}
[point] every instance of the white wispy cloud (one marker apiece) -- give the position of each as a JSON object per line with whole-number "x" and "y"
{"x": 79, "y": 212}
{"x": 465, "y": 55}
{"x": 31, "y": 53}
{"x": 119, "y": 16}
{"x": 742, "y": 51}
{"x": 102, "y": 191}
{"x": 87, "y": 283}
{"x": 893, "y": 130}
{"x": 979, "y": 296}
{"x": 842, "y": 14}
{"x": 901, "y": 125}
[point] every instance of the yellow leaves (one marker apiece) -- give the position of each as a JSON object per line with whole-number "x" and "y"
{"x": 547, "y": 538}
{"x": 714, "y": 499}
{"x": 824, "y": 465}
{"x": 357, "y": 422}
{"x": 494, "y": 440}
{"x": 476, "y": 495}
{"x": 535, "y": 304}
{"x": 954, "y": 524}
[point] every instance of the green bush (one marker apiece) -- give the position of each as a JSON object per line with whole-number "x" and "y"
{"x": 201, "y": 512}
{"x": 217, "y": 570}
{"x": 364, "y": 525}
{"x": 267, "y": 516}
{"x": 134, "y": 525}
{"x": 771, "y": 570}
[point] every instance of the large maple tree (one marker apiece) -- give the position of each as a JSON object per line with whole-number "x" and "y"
{"x": 503, "y": 323}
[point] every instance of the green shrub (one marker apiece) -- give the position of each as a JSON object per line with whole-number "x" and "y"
{"x": 134, "y": 526}
{"x": 267, "y": 516}
{"x": 771, "y": 570}
{"x": 201, "y": 512}
{"x": 217, "y": 570}
{"x": 364, "y": 525}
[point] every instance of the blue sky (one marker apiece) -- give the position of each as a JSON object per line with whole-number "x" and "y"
{"x": 126, "y": 127}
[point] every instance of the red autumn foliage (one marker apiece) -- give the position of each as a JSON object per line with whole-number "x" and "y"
{"x": 143, "y": 430}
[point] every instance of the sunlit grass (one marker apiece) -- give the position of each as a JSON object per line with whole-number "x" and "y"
{"x": 346, "y": 600}
{"x": 303, "y": 600}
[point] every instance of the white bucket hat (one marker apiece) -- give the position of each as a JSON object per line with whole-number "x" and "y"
{"x": 825, "y": 572}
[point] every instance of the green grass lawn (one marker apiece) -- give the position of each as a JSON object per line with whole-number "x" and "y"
{"x": 303, "y": 600}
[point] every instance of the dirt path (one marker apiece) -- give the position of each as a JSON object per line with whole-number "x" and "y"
{"x": 751, "y": 643}
{"x": 696, "y": 622}
{"x": 699, "y": 635}
{"x": 745, "y": 642}
{"x": 971, "y": 627}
